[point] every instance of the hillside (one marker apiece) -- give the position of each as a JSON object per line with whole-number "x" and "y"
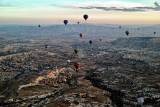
{"x": 149, "y": 43}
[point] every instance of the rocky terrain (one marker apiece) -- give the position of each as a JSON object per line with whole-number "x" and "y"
{"x": 112, "y": 73}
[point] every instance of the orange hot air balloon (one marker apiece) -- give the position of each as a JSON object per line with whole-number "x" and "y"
{"x": 81, "y": 35}
{"x": 77, "y": 65}
{"x": 24, "y": 54}
{"x": 158, "y": 85}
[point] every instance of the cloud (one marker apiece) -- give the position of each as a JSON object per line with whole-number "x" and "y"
{"x": 156, "y": 4}
{"x": 135, "y": 9}
{"x": 113, "y": 6}
{"x": 8, "y": 5}
{"x": 157, "y": 8}
{"x": 5, "y": 5}
{"x": 63, "y": 6}
{"x": 104, "y": 4}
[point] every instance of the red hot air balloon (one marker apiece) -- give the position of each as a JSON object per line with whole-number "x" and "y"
{"x": 81, "y": 35}
{"x": 77, "y": 65}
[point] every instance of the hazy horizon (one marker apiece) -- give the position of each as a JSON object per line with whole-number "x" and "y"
{"x": 99, "y": 11}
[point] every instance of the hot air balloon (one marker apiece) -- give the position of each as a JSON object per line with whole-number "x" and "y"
{"x": 64, "y": 80}
{"x": 81, "y": 35}
{"x": 140, "y": 100}
{"x": 39, "y": 26}
{"x": 158, "y": 85}
{"x": 90, "y": 41}
{"x": 68, "y": 61}
{"x": 55, "y": 67}
{"x": 39, "y": 72}
{"x": 154, "y": 32}
{"x": 127, "y": 32}
{"x": 85, "y": 16}
{"x": 120, "y": 27}
{"x": 100, "y": 38}
{"x": 76, "y": 51}
{"x": 65, "y": 22}
{"x": 46, "y": 46}
{"x": 77, "y": 65}
{"x": 138, "y": 28}
{"x": 24, "y": 54}
{"x": 78, "y": 22}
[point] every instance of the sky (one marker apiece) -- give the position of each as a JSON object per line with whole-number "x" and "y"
{"x": 99, "y": 11}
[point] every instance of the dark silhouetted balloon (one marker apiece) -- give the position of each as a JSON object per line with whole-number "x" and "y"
{"x": 90, "y": 41}
{"x": 65, "y": 22}
{"x": 127, "y": 32}
{"x": 85, "y": 16}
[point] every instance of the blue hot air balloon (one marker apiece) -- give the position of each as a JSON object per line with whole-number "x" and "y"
{"x": 65, "y": 22}
{"x": 90, "y": 41}
{"x": 39, "y": 72}
{"x": 46, "y": 46}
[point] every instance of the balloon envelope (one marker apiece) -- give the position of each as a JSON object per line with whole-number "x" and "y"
{"x": 85, "y": 16}
{"x": 81, "y": 35}
{"x": 24, "y": 53}
{"x": 100, "y": 38}
{"x": 90, "y": 41}
{"x": 64, "y": 80}
{"x": 46, "y": 46}
{"x": 65, "y": 22}
{"x": 140, "y": 100}
{"x": 39, "y": 72}
{"x": 127, "y": 32}
{"x": 55, "y": 67}
{"x": 77, "y": 65}
{"x": 68, "y": 61}
{"x": 76, "y": 51}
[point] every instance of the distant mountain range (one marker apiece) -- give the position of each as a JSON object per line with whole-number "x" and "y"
{"x": 90, "y": 31}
